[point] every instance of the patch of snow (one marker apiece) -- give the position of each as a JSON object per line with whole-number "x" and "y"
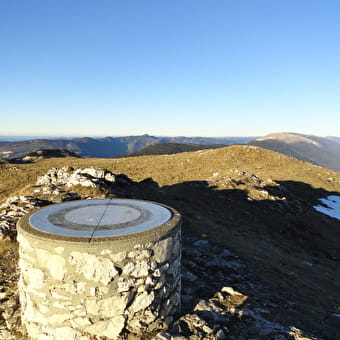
{"x": 333, "y": 206}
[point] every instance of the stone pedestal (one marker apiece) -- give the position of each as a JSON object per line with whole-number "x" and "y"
{"x": 99, "y": 269}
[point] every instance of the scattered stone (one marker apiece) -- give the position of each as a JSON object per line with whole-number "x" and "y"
{"x": 14, "y": 208}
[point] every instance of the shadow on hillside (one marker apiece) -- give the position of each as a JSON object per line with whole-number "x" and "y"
{"x": 291, "y": 217}
{"x": 290, "y": 248}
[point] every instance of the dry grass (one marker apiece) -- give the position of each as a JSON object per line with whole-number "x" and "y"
{"x": 174, "y": 169}
{"x": 207, "y": 187}
{"x": 6, "y": 247}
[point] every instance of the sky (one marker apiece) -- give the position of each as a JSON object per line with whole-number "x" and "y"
{"x": 169, "y": 68}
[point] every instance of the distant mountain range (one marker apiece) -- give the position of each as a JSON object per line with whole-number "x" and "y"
{"x": 105, "y": 147}
{"x": 320, "y": 151}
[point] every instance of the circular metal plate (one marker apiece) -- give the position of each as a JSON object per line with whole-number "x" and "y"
{"x": 100, "y": 218}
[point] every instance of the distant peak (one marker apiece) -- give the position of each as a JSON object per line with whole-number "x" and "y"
{"x": 289, "y": 138}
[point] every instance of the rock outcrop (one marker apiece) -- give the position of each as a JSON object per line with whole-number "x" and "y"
{"x": 88, "y": 177}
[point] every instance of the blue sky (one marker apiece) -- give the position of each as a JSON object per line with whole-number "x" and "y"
{"x": 179, "y": 67}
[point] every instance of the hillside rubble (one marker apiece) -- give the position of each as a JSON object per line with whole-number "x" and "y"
{"x": 244, "y": 180}
{"x": 218, "y": 309}
{"x": 14, "y": 208}
{"x": 221, "y": 296}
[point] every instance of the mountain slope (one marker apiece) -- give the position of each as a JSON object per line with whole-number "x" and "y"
{"x": 254, "y": 202}
{"x": 335, "y": 139}
{"x": 316, "y": 150}
{"x": 49, "y": 153}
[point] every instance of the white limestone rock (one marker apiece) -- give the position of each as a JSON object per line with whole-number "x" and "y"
{"x": 118, "y": 257}
{"x": 30, "y": 312}
{"x": 141, "y": 302}
{"x": 125, "y": 284}
{"x": 110, "y": 307}
{"x": 80, "y": 322}
{"x": 113, "y": 306}
{"x": 59, "y": 250}
{"x": 140, "y": 255}
{"x": 23, "y": 241}
{"x": 54, "y": 263}
{"x": 34, "y": 277}
{"x": 45, "y": 337}
{"x": 64, "y": 305}
{"x": 59, "y": 318}
{"x": 93, "y": 268}
{"x": 66, "y": 333}
{"x": 60, "y": 297}
{"x": 137, "y": 269}
{"x": 163, "y": 249}
{"x": 109, "y": 328}
{"x": 5, "y": 335}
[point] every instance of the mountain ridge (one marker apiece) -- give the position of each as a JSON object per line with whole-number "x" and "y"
{"x": 317, "y": 150}
{"x": 170, "y": 148}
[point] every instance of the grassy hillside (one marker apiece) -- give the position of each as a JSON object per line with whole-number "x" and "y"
{"x": 172, "y": 169}
{"x": 202, "y": 165}
{"x": 255, "y": 202}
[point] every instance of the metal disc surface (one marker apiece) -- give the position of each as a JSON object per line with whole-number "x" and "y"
{"x": 100, "y": 218}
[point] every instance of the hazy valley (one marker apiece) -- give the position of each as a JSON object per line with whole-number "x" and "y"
{"x": 106, "y": 147}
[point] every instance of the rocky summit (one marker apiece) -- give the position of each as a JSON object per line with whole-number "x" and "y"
{"x": 258, "y": 261}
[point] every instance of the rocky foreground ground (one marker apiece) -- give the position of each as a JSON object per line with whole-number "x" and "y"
{"x": 223, "y": 296}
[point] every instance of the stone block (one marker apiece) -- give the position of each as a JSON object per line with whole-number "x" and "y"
{"x": 137, "y": 269}
{"x": 109, "y": 328}
{"x": 163, "y": 249}
{"x": 97, "y": 269}
{"x": 141, "y": 302}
